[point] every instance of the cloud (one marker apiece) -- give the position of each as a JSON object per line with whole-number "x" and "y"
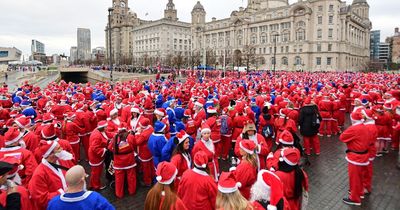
{"x": 55, "y": 22}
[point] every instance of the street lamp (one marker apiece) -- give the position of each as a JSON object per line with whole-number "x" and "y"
{"x": 275, "y": 37}
{"x": 110, "y": 10}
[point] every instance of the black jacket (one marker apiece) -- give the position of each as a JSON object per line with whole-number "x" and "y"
{"x": 13, "y": 202}
{"x": 307, "y": 120}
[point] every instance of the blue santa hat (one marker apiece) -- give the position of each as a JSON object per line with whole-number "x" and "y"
{"x": 253, "y": 100}
{"x": 179, "y": 127}
{"x": 25, "y": 103}
{"x": 209, "y": 97}
{"x": 159, "y": 127}
{"x": 165, "y": 105}
{"x": 364, "y": 101}
{"x": 179, "y": 102}
{"x": 171, "y": 99}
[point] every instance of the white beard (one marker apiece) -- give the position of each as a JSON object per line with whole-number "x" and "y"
{"x": 259, "y": 192}
{"x": 116, "y": 121}
{"x": 398, "y": 111}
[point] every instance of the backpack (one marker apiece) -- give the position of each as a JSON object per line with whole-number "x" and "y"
{"x": 224, "y": 125}
{"x": 315, "y": 121}
{"x": 268, "y": 131}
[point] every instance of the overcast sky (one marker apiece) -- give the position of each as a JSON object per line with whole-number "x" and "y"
{"x": 54, "y": 22}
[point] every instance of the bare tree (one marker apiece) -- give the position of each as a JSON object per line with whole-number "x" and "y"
{"x": 196, "y": 58}
{"x": 211, "y": 57}
{"x": 237, "y": 58}
{"x": 168, "y": 60}
{"x": 249, "y": 55}
{"x": 178, "y": 60}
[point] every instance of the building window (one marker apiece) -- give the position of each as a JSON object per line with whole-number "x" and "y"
{"x": 287, "y": 49}
{"x": 329, "y": 47}
{"x": 330, "y": 19}
{"x": 318, "y": 61}
{"x": 254, "y": 39}
{"x": 253, "y": 30}
{"x": 300, "y": 35}
{"x": 282, "y": 49}
{"x": 319, "y": 20}
{"x": 297, "y": 60}
{"x": 329, "y": 61}
{"x": 319, "y": 48}
{"x": 319, "y": 33}
{"x": 270, "y": 50}
{"x": 259, "y": 51}
{"x": 264, "y": 50}
{"x": 320, "y": 8}
{"x": 263, "y": 39}
{"x": 331, "y": 8}
{"x": 284, "y": 61}
{"x": 285, "y": 37}
{"x": 330, "y": 33}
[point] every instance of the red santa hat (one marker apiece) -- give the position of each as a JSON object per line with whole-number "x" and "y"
{"x": 70, "y": 115}
{"x": 166, "y": 173}
{"x": 79, "y": 106}
{"x": 182, "y": 135}
{"x": 160, "y": 111}
{"x": 205, "y": 128}
{"x": 211, "y": 110}
{"x": 12, "y": 136}
{"x": 368, "y": 114}
{"x": 388, "y": 106}
{"x": 356, "y": 117}
{"x": 187, "y": 113}
{"x": 14, "y": 113}
{"x": 23, "y": 122}
{"x": 248, "y": 146}
{"x": 291, "y": 156}
{"x": 15, "y": 162}
{"x": 48, "y": 117}
{"x": 49, "y": 131}
{"x": 284, "y": 112}
{"x": 113, "y": 112}
{"x": 63, "y": 98}
{"x": 46, "y": 147}
{"x": 102, "y": 124}
{"x": 200, "y": 159}
{"x": 268, "y": 187}
{"x": 200, "y": 102}
{"x": 227, "y": 183}
{"x": 144, "y": 123}
{"x": 285, "y": 137}
{"x": 135, "y": 109}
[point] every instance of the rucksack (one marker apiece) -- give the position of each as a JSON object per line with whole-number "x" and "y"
{"x": 268, "y": 131}
{"x": 224, "y": 125}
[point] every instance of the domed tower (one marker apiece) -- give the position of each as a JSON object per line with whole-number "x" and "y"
{"x": 198, "y": 14}
{"x": 170, "y": 12}
{"x": 270, "y": 4}
{"x": 198, "y": 25}
{"x": 361, "y": 8}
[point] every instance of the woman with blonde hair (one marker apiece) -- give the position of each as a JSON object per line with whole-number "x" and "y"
{"x": 246, "y": 171}
{"x": 162, "y": 196}
{"x": 229, "y": 197}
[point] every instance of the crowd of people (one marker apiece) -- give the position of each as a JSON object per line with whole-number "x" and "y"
{"x": 172, "y": 136}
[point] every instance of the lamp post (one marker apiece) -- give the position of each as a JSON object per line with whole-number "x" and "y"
{"x": 275, "y": 37}
{"x": 110, "y": 10}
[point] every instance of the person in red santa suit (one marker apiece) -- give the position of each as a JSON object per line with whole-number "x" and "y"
{"x": 267, "y": 192}
{"x": 246, "y": 171}
{"x": 250, "y": 133}
{"x": 206, "y": 145}
{"x": 238, "y": 122}
{"x": 199, "y": 113}
{"x": 4, "y": 114}
{"x": 284, "y": 123}
{"x": 266, "y": 123}
{"x": 181, "y": 157}
{"x": 197, "y": 188}
{"x": 29, "y": 138}
{"x": 83, "y": 119}
{"x": 368, "y": 173}
{"x": 70, "y": 132}
{"x": 326, "y": 109}
{"x": 285, "y": 140}
{"x": 142, "y": 135}
{"x": 294, "y": 179}
{"x": 190, "y": 127}
{"x": 163, "y": 195}
{"x": 226, "y": 133}
{"x": 215, "y": 125}
{"x": 228, "y": 196}
{"x": 25, "y": 157}
{"x": 10, "y": 179}
{"x": 126, "y": 111}
{"x": 60, "y": 109}
{"x": 48, "y": 180}
{"x": 135, "y": 118}
{"x": 356, "y": 137}
{"x": 113, "y": 122}
{"x": 383, "y": 123}
{"x": 99, "y": 141}
{"x": 123, "y": 148}
{"x": 47, "y": 119}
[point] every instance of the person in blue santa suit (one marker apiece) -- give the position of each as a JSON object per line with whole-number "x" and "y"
{"x": 28, "y": 110}
{"x": 76, "y": 196}
{"x": 18, "y": 97}
{"x": 156, "y": 142}
{"x": 179, "y": 111}
{"x": 169, "y": 107}
{"x": 172, "y": 143}
{"x": 255, "y": 109}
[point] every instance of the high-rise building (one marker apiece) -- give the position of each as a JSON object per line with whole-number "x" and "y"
{"x": 384, "y": 52}
{"x": 73, "y": 55}
{"x": 37, "y": 47}
{"x": 307, "y": 35}
{"x": 374, "y": 46}
{"x": 84, "y": 44}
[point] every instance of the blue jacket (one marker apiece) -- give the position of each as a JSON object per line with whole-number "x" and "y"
{"x": 179, "y": 112}
{"x": 155, "y": 144}
{"x": 170, "y": 146}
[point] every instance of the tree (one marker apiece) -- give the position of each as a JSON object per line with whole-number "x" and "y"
{"x": 168, "y": 60}
{"x": 196, "y": 59}
{"x": 249, "y": 55}
{"x": 178, "y": 60}
{"x": 237, "y": 58}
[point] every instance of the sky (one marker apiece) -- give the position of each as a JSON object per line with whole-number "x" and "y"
{"x": 55, "y": 22}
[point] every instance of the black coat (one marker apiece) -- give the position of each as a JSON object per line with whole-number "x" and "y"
{"x": 307, "y": 120}
{"x": 13, "y": 202}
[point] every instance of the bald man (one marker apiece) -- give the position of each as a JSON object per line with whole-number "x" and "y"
{"x": 76, "y": 196}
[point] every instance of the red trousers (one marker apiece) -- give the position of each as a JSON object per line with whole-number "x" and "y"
{"x": 367, "y": 177}
{"x": 95, "y": 175}
{"x": 395, "y": 139}
{"x": 326, "y": 127}
{"x": 85, "y": 143}
{"x": 148, "y": 172}
{"x": 311, "y": 141}
{"x": 356, "y": 181}
{"x": 218, "y": 148}
{"x": 226, "y": 145}
{"x": 76, "y": 149}
{"x": 120, "y": 175}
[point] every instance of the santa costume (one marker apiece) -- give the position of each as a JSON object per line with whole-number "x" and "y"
{"x": 182, "y": 161}
{"x": 144, "y": 154}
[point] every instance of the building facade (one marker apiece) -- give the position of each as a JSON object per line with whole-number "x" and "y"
{"x": 395, "y": 46}
{"x": 268, "y": 34}
{"x": 37, "y": 47}
{"x": 374, "y": 44}
{"x": 84, "y": 44}
{"x": 384, "y": 52}
{"x": 8, "y": 54}
{"x": 73, "y": 54}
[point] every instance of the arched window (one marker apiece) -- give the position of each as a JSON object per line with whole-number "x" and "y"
{"x": 300, "y": 35}
{"x": 284, "y": 61}
{"x": 297, "y": 60}
{"x": 301, "y": 24}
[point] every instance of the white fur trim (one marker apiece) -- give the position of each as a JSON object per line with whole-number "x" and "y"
{"x": 135, "y": 110}
{"x": 198, "y": 104}
{"x": 7, "y": 143}
{"x": 271, "y": 207}
{"x": 158, "y": 112}
{"x": 227, "y": 190}
{"x": 205, "y": 130}
{"x": 169, "y": 181}
{"x": 285, "y": 142}
{"x": 52, "y": 147}
{"x": 113, "y": 112}
{"x": 245, "y": 149}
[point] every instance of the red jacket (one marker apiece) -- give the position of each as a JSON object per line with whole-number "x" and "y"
{"x": 182, "y": 163}
{"x": 373, "y": 135}
{"x": 124, "y": 158}
{"x": 59, "y": 110}
{"x": 65, "y": 145}
{"x": 71, "y": 132}
{"x": 261, "y": 149}
{"x": 212, "y": 159}
{"x": 199, "y": 117}
{"x": 215, "y": 125}
{"x": 325, "y": 109}
{"x": 356, "y": 138}
{"x": 288, "y": 181}
{"x": 31, "y": 140}
{"x": 190, "y": 126}
{"x": 141, "y": 143}
{"x": 98, "y": 144}
{"x": 246, "y": 174}
{"x": 238, "y": 124}
{"x": 25, "y": 157}
{"x": 26, "y": 203}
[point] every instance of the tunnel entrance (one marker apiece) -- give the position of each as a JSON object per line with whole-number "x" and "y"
{"x": 75, "y": 77}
